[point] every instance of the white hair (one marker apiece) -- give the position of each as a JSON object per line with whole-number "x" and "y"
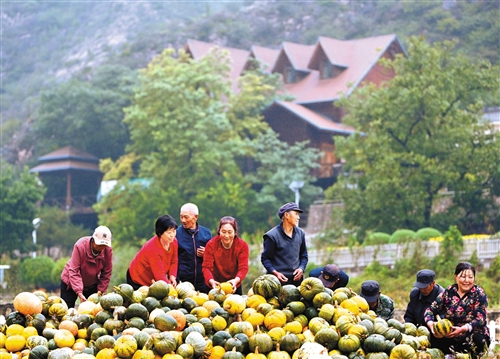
{"x": 190, "y": 207}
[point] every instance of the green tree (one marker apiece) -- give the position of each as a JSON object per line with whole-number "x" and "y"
{"x": 86, "y": 114}
{"x": 57, "y": 230}
{"x": 418, "y": 135}
{"x": 192, "y": 138}
{"x": 19, "y": 193}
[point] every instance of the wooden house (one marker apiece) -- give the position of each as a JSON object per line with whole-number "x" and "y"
{"x": 316, "y": 76}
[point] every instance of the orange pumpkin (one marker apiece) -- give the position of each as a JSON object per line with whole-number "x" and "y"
{"x": 27, "y": 303}
{"x": 69, "y": 325}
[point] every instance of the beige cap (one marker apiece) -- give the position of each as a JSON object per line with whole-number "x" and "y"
{"x": 102, "y": 236}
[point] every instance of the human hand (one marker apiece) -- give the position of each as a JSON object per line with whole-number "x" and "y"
{"x": 173, "y": 281}
{"x": 99, "y": 293}
{"x": 280, "y": 276}
{"x": 82, "y": 297}
{"x": 297, "y": 274}
{"x": 234, "y": 282}
{"x": 200, "y": 251}
{"x": 455, "y": 331}
{"x": 213, "y": 283}
{"x": 430, "y": 325}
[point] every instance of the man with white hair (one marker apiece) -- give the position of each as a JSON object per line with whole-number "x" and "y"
{"x": 192, "y": 239}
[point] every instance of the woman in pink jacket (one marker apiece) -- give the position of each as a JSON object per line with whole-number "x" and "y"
{"x": 89, "y": 269}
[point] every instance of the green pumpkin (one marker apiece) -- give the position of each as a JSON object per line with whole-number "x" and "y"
{"x": 36, "y": 320}
{"x": 102, "y": 316}
{"x": 159, "y": 289}
{"x": 189, "y": 304}
{"x": 151, "y": 303}
{"x": 15, "y": 318}
{"x": 321, "y": 298}
{"x": 393, "y": 334}
{"x": 104, "y": 341}
{"x": 289, "y": 293}
{"x": 135, "y": 322}
{"x": 164, "y": 343}
{"x": 349, "y": 343}
{"x": 137, "y": 310}
{"x": 311, "y": 312}
{"x": 267, "y": 286}
{"x": 396, "y": 324}
{"x": 36, "y": 340}
{"x": 114, "y": 325}
{"x": 62, "y": 353}
{"x": 316, "y": 324}
{"x": 410, "y": 329}
{"x": 110, "y": 301}
{"x": 328, "y": 337}
{"x": 171, "y": 302}
{"x": 234, "y": 343}
{"x": 220, "y": 338}
{"x": 193, "y": 328}
{"x": 39, "y": 352}
{"x": 220, "y": 311}
{"x": 261, "y": 340}
{"x": 310, "y": 287}
{"x": 233, "y": 354}
{"x": 125, "y": 346}
{"x": 289, "y": 343}
{"x": 297, "y": 307}
{"x": 98, "y": 332}
{"x": 374, "y": 343}
{"x": 126, "y": 291}
{"x": 186, "y": 351}
{"x": 142, "y": 338}
{"x": 164, "y": 322}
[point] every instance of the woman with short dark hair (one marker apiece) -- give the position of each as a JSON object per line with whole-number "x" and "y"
{"x": 226, "y": 256}
{"x": 157, "y": 259}
{"x": 464, "y": 304}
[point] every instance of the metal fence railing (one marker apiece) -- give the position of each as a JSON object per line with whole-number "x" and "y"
{"x": 388, "y": 254}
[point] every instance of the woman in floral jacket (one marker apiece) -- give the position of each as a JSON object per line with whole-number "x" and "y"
{"x": 464, "y": 304}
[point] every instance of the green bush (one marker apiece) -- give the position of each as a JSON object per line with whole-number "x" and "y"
{"x": 427, "y": 233}
{"x": 402, "y": 236}
{"x": 37, "y": 272}
{"x": 58, "y": 268}
{"x": 377, "y": 238}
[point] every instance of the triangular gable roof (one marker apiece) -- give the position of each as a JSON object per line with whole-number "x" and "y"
{"x": 297, "y": 54}
{"x": 360, "y": 55}
{"x": 265, "y": 55}
{"x": 336, "y": 51}
{"x": 67, "y": 158}
{"x": 238, "y": 57}
{"x": 320, "y": 122}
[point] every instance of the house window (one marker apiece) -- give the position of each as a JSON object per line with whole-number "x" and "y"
{"x": 326, "y": 69}
{"x": 290, "y": 75}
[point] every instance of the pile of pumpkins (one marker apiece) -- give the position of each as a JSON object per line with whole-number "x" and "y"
{"x": 272, "y": 321}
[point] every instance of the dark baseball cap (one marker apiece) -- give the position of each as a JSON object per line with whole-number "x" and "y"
{"x": 330, "y": 274}
{"x": 370, "y": 290}
{"x": 424, "y": 278}
{"x": 287, "y": 207}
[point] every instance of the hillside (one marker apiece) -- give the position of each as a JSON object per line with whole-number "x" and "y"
{"x": 46, "y": 43}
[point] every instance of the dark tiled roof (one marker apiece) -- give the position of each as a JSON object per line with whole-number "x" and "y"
{"x": 65, "y": 165}
{"x": 68, "y": 152}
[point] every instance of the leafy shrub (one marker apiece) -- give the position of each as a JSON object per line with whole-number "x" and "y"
{"x": 37, "y": 272}
{"x": 376, "y": 238}
{"x": 428, "y": 232}
{"x": 57, "y": 269}
{"x": 403, "y": 235}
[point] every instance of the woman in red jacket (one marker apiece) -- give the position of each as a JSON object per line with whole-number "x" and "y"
{"x": 157, "y": 259}
{"x": 226, "y": 256}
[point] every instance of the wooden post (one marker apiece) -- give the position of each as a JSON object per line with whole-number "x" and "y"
{"x": 68, "y": 190}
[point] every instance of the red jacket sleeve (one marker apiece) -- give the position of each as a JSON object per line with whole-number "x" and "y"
{"x": 208, "y": 262}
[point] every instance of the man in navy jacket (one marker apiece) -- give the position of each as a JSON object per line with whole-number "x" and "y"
{"x": 285, "y": 252}
{"x": 192, "y": 239}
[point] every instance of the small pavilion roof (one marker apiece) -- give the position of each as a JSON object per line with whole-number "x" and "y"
{"x": 67, "y": 158}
